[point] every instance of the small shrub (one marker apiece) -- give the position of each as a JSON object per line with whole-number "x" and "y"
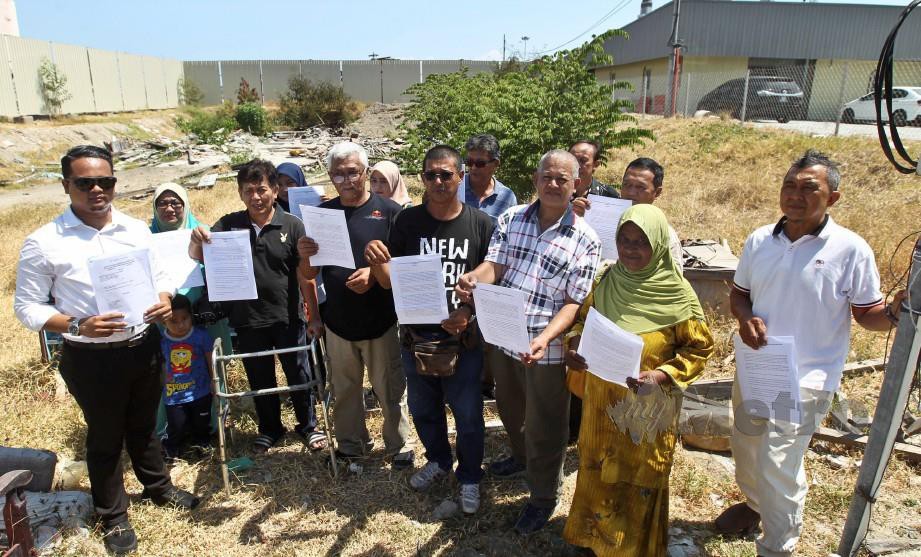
{"x": 307, "y": 104}
{"x": 245, "y": 93}
{"x": 54, "y": 86}
{"x": 240, "y": 158}
{"x": 252, "y": 118}
{"x": 208, "y": 126}
{"x": 190, "y": 94}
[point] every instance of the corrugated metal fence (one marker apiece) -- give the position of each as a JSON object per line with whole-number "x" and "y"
{"x": 97, "y": 80}
{"x": 364, "y": 80}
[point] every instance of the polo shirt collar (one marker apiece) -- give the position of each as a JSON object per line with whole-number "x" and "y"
{"x": 70, "y": 219}
{"x": 820, "y": 231}
{"x": 277, "y": 217}
{"x": 568, "y": 218}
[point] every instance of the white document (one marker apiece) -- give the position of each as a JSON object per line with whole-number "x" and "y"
{"x": 307, "y": 195}
{"x": 123, "y": 283}
{"x": 611, "y": 353}
{"x": 329, "y": 230}
{"x": 419, "y": 289}
{"x": 229, "y": 266}
{"x": 172, "y": 249}
{"x": 604, "y": 217}
{"x": 768, "y": 379}
{"x": 500, "y": 314}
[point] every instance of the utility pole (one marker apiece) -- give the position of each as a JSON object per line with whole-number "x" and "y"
{"x": 676, "y": 45}
{"x": 503, "y": 47}
{"x": 525, "y": 39}
{"x": 893, "y": 395}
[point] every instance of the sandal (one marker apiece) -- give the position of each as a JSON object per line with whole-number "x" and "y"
{"x": 314, "y": 439}
{"x": 263, "y": 443}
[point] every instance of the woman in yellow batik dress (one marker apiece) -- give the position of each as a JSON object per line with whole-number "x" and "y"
{"x": 627, "y": 438}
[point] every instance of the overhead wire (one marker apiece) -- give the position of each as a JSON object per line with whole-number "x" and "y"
{"x": 603, "y": 18}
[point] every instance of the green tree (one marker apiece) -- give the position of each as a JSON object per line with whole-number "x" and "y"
{"x": 190, "y": 94}
{"x": 246, "y": 93}
{"x": 307, "y": 104}
{"x": 54, "y": 86}
{"x": 547, "y": 104}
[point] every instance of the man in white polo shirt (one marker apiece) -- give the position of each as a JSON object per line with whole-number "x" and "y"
{"x": 803, "y": 277}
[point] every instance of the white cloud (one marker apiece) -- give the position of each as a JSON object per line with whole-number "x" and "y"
{"x": 493, "y": 54}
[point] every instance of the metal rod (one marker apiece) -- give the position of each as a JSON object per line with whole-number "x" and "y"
{"x": 273, "y": 391}
{"x": 748, "y": 75}
{"x": 887, "y": 419}
{"x": 264, "y": 353}
{"x": 216, "y": 361}
{"x": 841, "y": 97}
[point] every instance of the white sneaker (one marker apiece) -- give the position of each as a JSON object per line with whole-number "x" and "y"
{"x": 424, "y": 478}
{"x": 470, "y": 498}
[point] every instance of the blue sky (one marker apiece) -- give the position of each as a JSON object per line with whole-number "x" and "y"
{"x": 322, "y": 29}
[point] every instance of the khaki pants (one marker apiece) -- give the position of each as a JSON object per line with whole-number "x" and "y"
{"x": 347, "y": 361}
{"x": 533, "y": 402}
{"x": 769, "y": 469}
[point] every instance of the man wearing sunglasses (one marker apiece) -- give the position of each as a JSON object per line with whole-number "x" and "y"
{"x": 111, "y": 369}
{"x": 480, "y": 188}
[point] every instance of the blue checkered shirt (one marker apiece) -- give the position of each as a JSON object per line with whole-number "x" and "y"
{"x": 549, "y": 266}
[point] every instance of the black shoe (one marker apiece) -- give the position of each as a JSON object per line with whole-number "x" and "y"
{"x": 173, "y": 496}
{"x": 507, "y": 468}
{"x": 402, "y": 461}
{"x": 120, "y": 539}
{"x": 532, "y": 519}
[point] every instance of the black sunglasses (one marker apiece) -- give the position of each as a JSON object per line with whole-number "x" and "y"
{"x": 478, "y": 163}
{"x": 430, "y": 175}
{"x": 86, "y": 184}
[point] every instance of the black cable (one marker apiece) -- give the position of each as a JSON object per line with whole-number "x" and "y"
{"x": 883, "y": 80}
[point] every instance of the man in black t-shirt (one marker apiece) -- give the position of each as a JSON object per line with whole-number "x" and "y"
{"x": 460, "y": 234}
{"x": 275, "y": 319}
{"x": 360, "y": 321}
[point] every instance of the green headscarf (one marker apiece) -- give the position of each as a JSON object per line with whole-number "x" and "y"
{"x": 657, "y": 296}
{"x": 189, "y": 220}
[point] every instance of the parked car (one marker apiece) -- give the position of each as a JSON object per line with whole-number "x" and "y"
{"x": 769, "y": 97}
{"x": 906, "y": 107}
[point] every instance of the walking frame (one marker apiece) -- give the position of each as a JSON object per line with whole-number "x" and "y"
{"x": 316, "y": 358}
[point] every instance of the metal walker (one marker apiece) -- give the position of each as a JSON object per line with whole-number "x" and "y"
{"x": 316, "y": 360}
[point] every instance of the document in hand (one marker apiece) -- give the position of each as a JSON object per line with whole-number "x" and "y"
{"x": 305, "y": 195}
{"x": 123, "y": 283}
{"x": 328, "y": 229}
{"x": 500, "y": 314}
{"x": 604, "y": 217}
{"x": 768, "y": 379}
{"x": 611, "y": 353}
{"x": 229, "y": 267}
{"x": 418, "y": 289}
{"x": 172, "y": 249}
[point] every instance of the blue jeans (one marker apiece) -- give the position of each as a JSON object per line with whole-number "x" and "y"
{"x": 463, "y": 392}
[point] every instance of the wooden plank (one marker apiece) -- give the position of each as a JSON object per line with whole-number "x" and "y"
{"x": 906, "y": 451}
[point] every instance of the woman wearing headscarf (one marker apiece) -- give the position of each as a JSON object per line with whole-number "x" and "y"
{"x": 290, "y": 175}
{"x": 628, "y": 434}
{"x": 386, "y": 181}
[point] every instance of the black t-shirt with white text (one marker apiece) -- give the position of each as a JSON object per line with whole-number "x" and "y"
{"x": 350, "y": 315}
{"x": 461, "y": 242}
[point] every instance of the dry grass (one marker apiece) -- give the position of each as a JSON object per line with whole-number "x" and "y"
{"x": 722, "y": 181}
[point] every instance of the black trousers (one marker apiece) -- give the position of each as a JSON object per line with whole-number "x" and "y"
{"x": 261, "y": 374}
{"x": 191, "y": 417}
{"x": 119, "y": 392}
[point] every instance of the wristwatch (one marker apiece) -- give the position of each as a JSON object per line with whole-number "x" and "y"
{"x": 73, "y": 326}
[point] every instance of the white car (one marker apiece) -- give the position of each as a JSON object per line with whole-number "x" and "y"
{"x": 906, "y": 107}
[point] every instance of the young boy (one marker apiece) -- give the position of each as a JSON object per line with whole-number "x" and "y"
{"x": 187, "y": 389}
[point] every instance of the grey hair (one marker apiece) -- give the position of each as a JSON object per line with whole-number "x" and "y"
{"x": 560, "y": 153}
{"x": 817, "y": 158}
{"x": 483, "y": 142}
{"x": 344, "y": 150}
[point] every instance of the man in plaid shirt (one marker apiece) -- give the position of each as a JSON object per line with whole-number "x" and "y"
{"x": 551, "y": 254}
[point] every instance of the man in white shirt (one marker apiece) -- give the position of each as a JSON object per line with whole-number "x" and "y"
{"x": 803, "y": 277}
{"x": 111, "y": 369}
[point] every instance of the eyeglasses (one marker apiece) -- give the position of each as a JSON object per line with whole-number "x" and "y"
{"x": 559, "y": 180}
{"x": 86, "y": 183}
{"x": 430, "y": 175}
{"x": 174, "y": 203}
{"x": 479, "y": 163}
{"x": 351, "y": 176}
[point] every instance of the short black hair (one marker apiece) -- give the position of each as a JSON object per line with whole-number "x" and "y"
{"x": 255, "y": 171}
{"x": 483, "y": 142}
{"x": 441, "y": 152}
{"x": 645, "y": 163}
{"x": 597, "y": 156}
{"x": 84, "y": 152}
{"x": 816, "y": 158}
{"x": 181, "y": 302}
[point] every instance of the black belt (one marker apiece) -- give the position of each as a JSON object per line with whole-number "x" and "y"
{"x": 130, "y": 343}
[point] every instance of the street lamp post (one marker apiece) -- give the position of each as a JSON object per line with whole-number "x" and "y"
{"x": 525, "y": 39}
